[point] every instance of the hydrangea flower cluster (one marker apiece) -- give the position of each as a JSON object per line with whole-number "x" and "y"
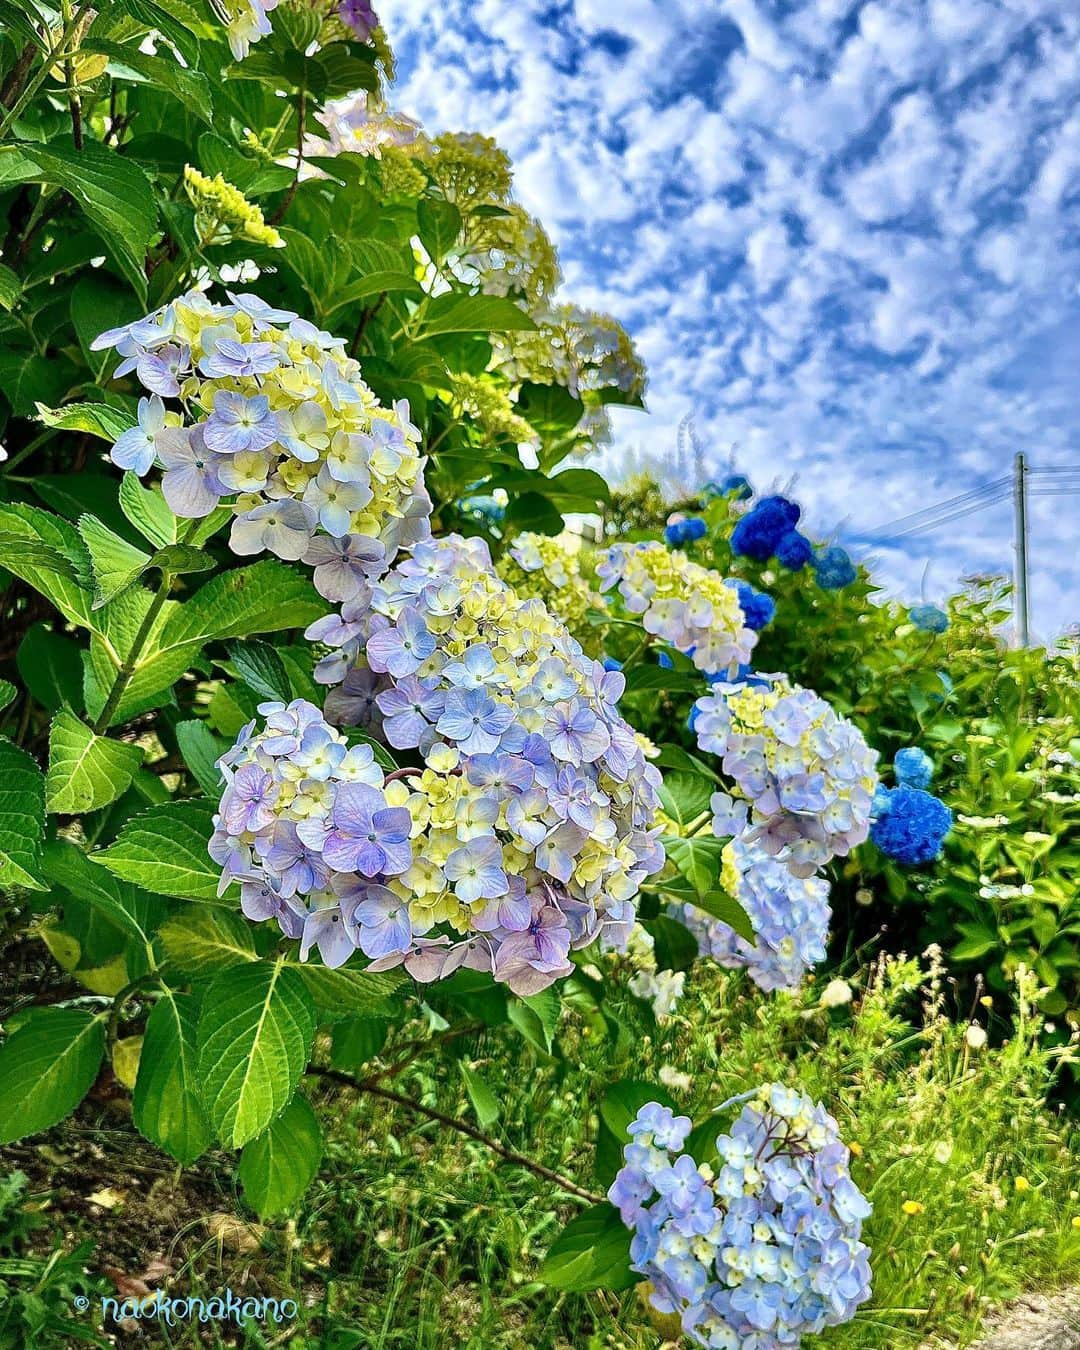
{"x": 275, "y": 416}
{"x": 661, "y": 988}
{"x": 316, "y": 837}
{"x": 758, "y": 607}
{"x": 913, "y": 767}
{"x": 804, "y": 776}
{"x": 541, "y": 566}
{"x": 765, "y": 529}
{"x": 833, "y": 568}
{"x": 928, "y": 618}
{"x": 790, "y": 916}
{"x": 910, "y": 824}
{"x": 762, "y": 1248}
{"x": 686, "y": 530}
{"x": 536, "y": 804}
{"x": 688, "y": 605}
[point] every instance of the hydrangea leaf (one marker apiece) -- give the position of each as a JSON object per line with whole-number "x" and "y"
{"x": 685, "y": 796}
{"x": 484, "y": 1102}
{"x": 355, "y": 1040}
{"x": 7, "y": 693}
{"x": 255, "y": 1034}
{"x": 47, "y": 1067}
{"x": 278, "y": 1165}
{"x": 96, "y": 419}
{"x": 135, "y": 912}
{"x": 166, "y": 1105}
{"x": 201, "y": 750}
{"x": 351, "y": 993}
{"x": 113, "y": 191}
{"x": 591, "y": 1252}
{"x": 262, "y": 598}
{"x": 201, "y": 942}
{"x": 50, "y": 665}
{"x": 455, "y": 313}
{"x": 164, "y": 850}
{"x": 47, "y": 553}
{"x": 86, "y": 771}
{"x": 114, "y": 563}
{"x": 22, "y": 818}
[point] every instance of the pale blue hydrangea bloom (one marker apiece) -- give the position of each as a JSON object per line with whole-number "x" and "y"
{"x": 762, "y": 1246}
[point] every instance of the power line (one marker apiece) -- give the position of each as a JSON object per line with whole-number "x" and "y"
{"x": 974, "y": 495}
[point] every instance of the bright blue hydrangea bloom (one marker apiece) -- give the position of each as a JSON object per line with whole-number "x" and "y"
{"x": 761, "y": 1248}
{"x": 609, "y": 663}
{"x": 664, "y": 661}
{"x": 790, "y": 916}
{"x": 928, "y": 618}
{"x": 913, "y": 827}
{"x": 913, "y": 767}
{"x": 685, "y": 531}
{"x": 834, "y": 569}
{"x": 757, "y": 607}
{"x": 760, "y": 530}
{"x": 740, "y": 486}
{"x": 794, "y": 551}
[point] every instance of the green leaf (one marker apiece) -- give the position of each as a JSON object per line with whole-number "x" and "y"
{"x": 201, "y": 750}
{"x": 51, "y": 668}
{"x": 181, "y": 560}
{"x": 698, "y": 859}
{"x": 655, "y": 679}
{"x": 86, "y": 771}
{"x": 261, "y": 669}
{"x": 7, "y": 693}
{"x": 262, "y": 598}
{"x": 171, "y": 21}
{"x": 536, "y": 1017}
{"x": 148, "y": 511}
{"x": 164, "y": 850}
{"x": 674, "y": 946}
{"x": 374, "y": 284}
{"x": 355, "y": 1040}
{"x": 47, "y": 553}
{"x": 166, "y": 1106}
{"x": 10, "y": 288}
{"x": 351, "y": 993}
{"x": 46, "y": 1068}
{"x": 133, "y": 911}
{"x": 127, "y": 62}
{"x": 455, "y": 313}
{"x": 591, "y": 1252}
{"x": 484, "y": 1102}
{"x": 114, "y": 563}
{"x": 550, "y": 408}
{"x": 255, "y": 1035}
{"x": 22, "y": 818}
{"x": 440, "y": 225}
{"x": 728, "y": 910}
{"x": 97, "y": 419}
{"x": 685, "y": 796}
{"x": 26, "y": 377}
{"x": 200, "y": 942}
{"x": 112, "y": 190}
{"x": 278, "y": 1166}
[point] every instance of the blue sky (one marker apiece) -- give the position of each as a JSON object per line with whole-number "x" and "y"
{"x": 845, "y": 237}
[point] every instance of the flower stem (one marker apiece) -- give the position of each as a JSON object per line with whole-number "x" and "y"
{"x": 462, "y": 1127}
{"x": 131, "y": 660}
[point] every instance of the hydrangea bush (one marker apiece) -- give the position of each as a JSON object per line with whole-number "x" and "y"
{"x": 422, "y": 764}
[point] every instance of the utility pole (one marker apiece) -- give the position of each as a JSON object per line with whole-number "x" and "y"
{"x": 1020, "y": 545}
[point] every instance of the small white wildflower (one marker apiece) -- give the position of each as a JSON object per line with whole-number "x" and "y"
{"x": 835, "y": 994}
{"x": 975, "y": 1036}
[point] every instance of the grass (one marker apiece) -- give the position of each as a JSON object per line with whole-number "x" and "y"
{"x": 413, "y": 1236}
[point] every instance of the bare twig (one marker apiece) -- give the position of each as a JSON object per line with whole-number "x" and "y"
{"x": 462, "y": 1127}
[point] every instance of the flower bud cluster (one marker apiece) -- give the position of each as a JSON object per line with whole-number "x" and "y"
{"x": 275, "y": 417}
{"x": 790, "y": 916}
{"x": 688, "y": 605}
{"x": 533, "y": 820}
{"x": 804, "y": 777}
{"x": 541, "y": 566}
{"x": 758, "y": 1248}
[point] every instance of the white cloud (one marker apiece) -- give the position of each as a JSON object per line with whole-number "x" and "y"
{"x": 850, "y": 249}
